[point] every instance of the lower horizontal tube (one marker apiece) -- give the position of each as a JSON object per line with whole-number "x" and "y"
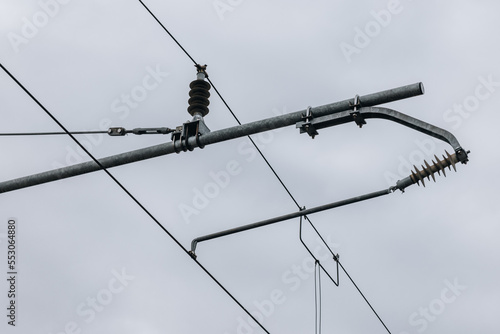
{"x": 288, "y": 216}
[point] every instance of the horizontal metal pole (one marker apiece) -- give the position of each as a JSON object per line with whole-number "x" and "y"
{"x": 292, "y": 215}
{"x": 294, "y": 117}
{"x": 211, "y": 137}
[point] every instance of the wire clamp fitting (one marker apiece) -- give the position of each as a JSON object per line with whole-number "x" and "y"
{"x": 306, "y": 126}
{"x": 202, "y": 69}
{"x": 192, "y": 254}
{"x": 356, "y": 116}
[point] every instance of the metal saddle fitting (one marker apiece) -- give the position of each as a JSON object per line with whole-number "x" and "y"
{"x": 356, "y": 116}
{"x": 306, "y": 125}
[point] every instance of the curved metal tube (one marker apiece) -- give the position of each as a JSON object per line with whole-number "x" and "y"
{"x": 389, "y": 114}
{"x": 411, "y": 122}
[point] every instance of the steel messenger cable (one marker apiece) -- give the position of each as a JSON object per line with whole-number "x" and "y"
{"x": 263, "y": 157}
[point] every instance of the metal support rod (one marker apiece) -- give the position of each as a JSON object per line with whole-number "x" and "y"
{"x": 292, "y": 215}
{"x": 211, "y": 137}
{"x": 388, "y": 114}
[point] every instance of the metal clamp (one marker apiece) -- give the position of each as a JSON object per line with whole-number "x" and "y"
{"x": 356, "y": 116}
{"x": 182, "y": 134}
{"x": 306, "y": 125}
{"x": 202, "y": 69}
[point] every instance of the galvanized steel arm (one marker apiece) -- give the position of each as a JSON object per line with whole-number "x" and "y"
{"x": 359, "y": 115}
{"x": 311, "y": 124}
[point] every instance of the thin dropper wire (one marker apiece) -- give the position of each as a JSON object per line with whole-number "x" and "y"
{"x": 317, "y": 295}
{"x": 258, "y": 150}
{"x": 129, "y": 194}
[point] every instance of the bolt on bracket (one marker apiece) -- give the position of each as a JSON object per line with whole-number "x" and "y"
{"x": 356, "y": 116}
{"x": 181, "y": 135}
{"x": 306, "y": 125}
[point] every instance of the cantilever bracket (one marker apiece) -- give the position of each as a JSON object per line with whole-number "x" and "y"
{"x": 391, "y": 115}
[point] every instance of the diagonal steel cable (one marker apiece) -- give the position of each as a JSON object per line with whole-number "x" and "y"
{"x": 129, "y": 194}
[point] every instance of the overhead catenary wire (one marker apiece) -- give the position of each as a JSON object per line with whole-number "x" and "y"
{"x": 168, "y": 32}
{"x": 120, "y": 185}
{"x": 362, "y": 295}
{"x": 257, "y": 148}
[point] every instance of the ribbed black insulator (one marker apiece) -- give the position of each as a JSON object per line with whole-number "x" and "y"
{"x": 427, "y": 171}
{"x": 199, "y": 94}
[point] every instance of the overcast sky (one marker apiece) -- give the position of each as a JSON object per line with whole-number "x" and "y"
{"x": 91, "y": 261}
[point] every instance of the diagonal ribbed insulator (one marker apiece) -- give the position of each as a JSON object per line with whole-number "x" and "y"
{"x": 428, "y": 171}
{"x": 440, "y": 164}
{"x": 451, "y": 160}
{"x": 417, "y": 176}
